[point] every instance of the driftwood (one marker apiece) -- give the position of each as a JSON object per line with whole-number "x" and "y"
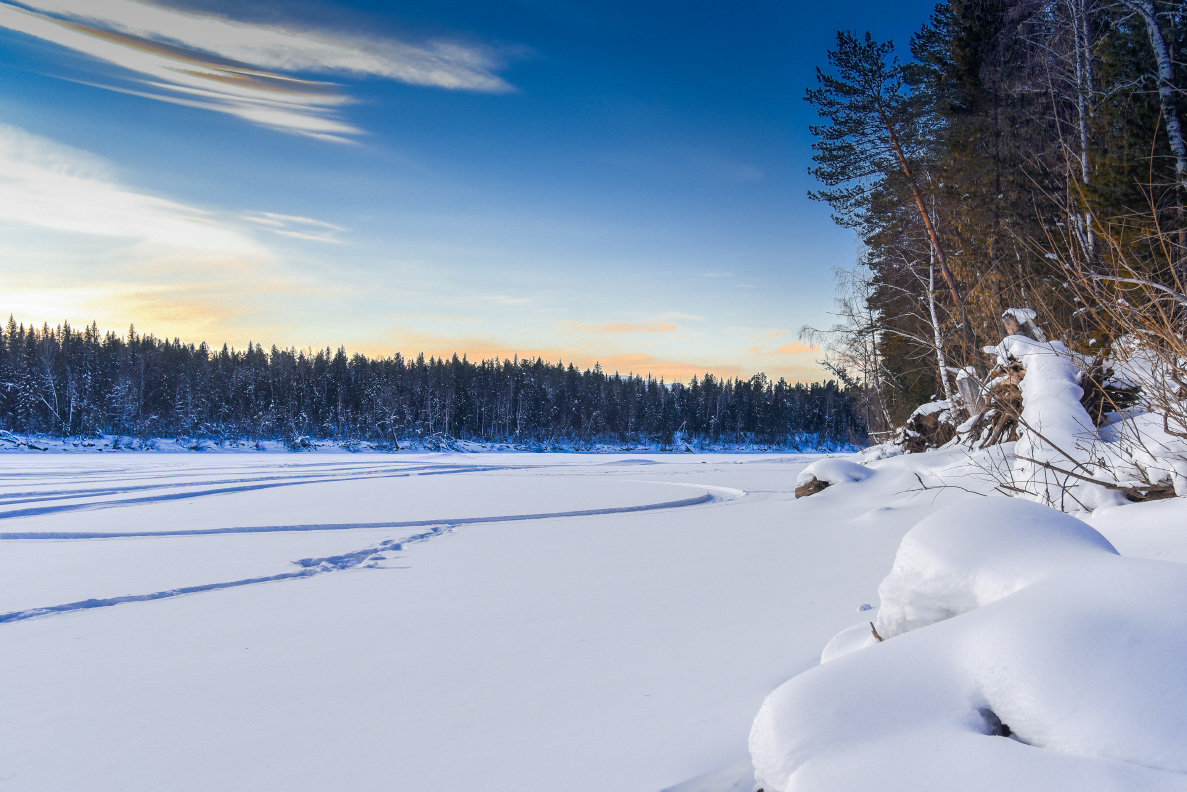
{"x": 1134, "y": 493}
{"x": 1020, "y": 321}
{"x": 998, "y": 420}
{"x": 1161, "y": 491}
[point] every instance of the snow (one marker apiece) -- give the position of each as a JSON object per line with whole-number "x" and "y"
{"x": 531, "y": 622}
{"x": 1015, "y": 646}
{"x": 1136, "y": 364}
{"x": 996, "y": 612}
{"x": 1136, "y": 448}
{"x": 1057, "y": 433}
{"x": 834, "y": 471}
{"x": 552, "y": 633}
{"x": 964, "y": 557}
{"x": 932, "y": 408}
{"x": 1021, "y": 315}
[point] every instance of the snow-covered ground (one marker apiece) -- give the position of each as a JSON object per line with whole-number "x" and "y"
{"x": 441, "y": 622}
{"x": 1014, "y": 646}
{"x": 527, "y": 622}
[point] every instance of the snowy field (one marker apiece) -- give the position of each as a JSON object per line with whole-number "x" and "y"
{"x": 515, "y": 622}
{"x": 413, "y": 622}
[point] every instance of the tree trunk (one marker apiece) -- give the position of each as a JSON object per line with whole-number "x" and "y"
{"x": 937, "y": 338}
{"x": 936, "y": 247}
{"x": 1084, "y": 87}
{"x": 1166, "y": 86}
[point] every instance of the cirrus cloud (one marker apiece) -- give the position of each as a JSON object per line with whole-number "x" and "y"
{"x": 246, "y": 69}
{"x": 50, "y": 186}
{"x": 79, "y": 243}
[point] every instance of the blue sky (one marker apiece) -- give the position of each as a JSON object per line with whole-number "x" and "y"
{"x": 588, "y": 181}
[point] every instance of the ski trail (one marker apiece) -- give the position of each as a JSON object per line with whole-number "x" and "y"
{"x": 309, "y": 568}
{"x": 313, "y": 566}
{"x": 34, "y": 496}
{"x": 34, "y": 511}
{"x": 248, "y": 529}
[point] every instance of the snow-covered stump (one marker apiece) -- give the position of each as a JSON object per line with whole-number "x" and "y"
{"x": 930, "y": 426}
{"x": 1056, "y": 434}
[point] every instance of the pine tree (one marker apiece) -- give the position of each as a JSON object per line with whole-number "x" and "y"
{"x": 873, "y": 138}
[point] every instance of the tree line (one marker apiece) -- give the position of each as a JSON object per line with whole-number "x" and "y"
{"x": 1016, "y": 154}
{"x": 69, "y": 382}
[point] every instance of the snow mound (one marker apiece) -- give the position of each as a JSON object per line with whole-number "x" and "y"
{"x": 949, "y": 564}
{"x": 834, "y": 471}
{"x": 1062, "y": 669}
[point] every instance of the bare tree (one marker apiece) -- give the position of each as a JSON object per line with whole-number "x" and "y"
{"x": 851, "y": 344}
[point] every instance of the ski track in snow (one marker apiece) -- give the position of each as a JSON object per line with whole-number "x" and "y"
{"x": 34, "y": 511}
{"x": 309, "y": 567}
{"x": 249, "y": 529}
{"x": 14, "y": 498}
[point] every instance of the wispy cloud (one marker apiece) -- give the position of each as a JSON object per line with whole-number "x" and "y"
{"x": 191, "y": 310}
{"x": 617, "y": 328}
{"x": 296, "y": 227}
{"x": 246, "y": 69}
{"x": 55, "y": 187}
{"x": 79, "y": 244}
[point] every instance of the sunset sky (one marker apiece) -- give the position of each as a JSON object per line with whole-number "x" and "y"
{"x": 606, "y": 181}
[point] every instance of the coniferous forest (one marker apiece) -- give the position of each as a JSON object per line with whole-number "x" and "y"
{"x": 67, "y": 382}
{"x": 1012, "y": 154}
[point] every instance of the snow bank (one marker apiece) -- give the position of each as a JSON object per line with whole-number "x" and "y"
{"x": 834, "y": 471}
{"x": 1062, "y": 669}
{"x": 949, "y": 563}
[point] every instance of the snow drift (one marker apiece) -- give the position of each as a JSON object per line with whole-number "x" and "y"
{"x": 1021, "y": 653}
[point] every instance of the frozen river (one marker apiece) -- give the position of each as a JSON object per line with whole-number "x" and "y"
{"x": 515, "y": 622}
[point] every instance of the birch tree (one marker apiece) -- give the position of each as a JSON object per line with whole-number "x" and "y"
{"x": 1147, "y": 10}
